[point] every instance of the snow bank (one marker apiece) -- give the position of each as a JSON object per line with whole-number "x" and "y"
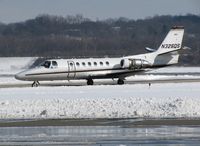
{"x": 127, "y": 101}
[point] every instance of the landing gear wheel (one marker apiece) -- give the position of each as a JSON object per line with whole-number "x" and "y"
{"x": 90, "y": 82}
{"x": 35, "y": 84}
{"x": 120, "y": 82}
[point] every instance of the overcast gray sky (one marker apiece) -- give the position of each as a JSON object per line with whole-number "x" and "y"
{"x": 20, "y": 10}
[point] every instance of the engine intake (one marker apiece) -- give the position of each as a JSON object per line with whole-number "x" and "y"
{"x": 134, "y": 63}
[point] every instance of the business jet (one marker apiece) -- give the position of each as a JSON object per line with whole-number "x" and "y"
{"x": 115, "y": 68}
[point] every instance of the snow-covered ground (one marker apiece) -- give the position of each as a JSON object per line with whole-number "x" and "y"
{"x": 168, "y": 100}
{"x": 112, "y": 101}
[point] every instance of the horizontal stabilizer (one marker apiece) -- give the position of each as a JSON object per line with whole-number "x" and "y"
{"x": 150, "y": 50}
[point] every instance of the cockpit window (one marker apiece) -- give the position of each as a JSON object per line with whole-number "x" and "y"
{"x": 46, "y": 64}
{"x": 54, "y": 63}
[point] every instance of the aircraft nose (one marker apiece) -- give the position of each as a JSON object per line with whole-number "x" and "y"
{"x": 20, "y": 76}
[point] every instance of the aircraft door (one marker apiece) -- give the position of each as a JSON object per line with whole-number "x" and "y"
{"x": 71, "y": 69}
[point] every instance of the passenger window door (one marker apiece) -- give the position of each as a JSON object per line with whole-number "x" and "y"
{"x": 71, "y": 69}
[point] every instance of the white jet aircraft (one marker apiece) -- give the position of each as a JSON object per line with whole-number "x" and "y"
{"x": 98, "y": 68}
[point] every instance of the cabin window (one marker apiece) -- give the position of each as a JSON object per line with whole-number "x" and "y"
{"x": 101, "y": 63}
{"x": 77, "y": 64}
{"x": 54, "y": 63}
{"x": 107, "y": 63}
{"x": 95, "y": 64}
{"x": 83, "y": 63}
{"x": 71, "y": 64}
{"x": 46, "y": 64}
{"x": 89, "y": 63}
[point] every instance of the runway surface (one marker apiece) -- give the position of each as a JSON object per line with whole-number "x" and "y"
{"x": 103, "y": 132}
{"x": 98, "y": 82}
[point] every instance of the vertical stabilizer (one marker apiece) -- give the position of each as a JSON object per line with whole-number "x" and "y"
{"x": 167, "y": 53}
{"x": 173, "y": 40}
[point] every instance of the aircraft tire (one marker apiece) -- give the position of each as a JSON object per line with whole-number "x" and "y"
{"x": 90, "y": 82}
{"x": 120, "y": 82}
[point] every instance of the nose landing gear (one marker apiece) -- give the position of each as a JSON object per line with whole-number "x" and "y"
{"x": 35, "y": 84}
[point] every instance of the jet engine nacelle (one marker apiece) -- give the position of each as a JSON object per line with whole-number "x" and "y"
{"x": 134, "y": 63}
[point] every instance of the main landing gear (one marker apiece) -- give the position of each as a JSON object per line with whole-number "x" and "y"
{"x": 120, "y": 82}
{"x": 35, "y": 84}
{"x": 90, "y": 81}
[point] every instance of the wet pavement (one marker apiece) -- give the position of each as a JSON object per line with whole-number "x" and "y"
{"x": 107, "y": 133}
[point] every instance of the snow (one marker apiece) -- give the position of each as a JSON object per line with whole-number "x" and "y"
{"x": 160, "y": 100}
{"x": 9, "y": 66}
{"x": 168, "y": 100}
{"x": 12, "y": 65}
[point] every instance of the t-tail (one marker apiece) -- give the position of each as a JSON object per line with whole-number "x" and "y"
{"x": 167, "y": 53}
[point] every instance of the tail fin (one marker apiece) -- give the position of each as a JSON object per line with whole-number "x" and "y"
{"x": 173, "y": 40}
{"x": 167, "y": 53}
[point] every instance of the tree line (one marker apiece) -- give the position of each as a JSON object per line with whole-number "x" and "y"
{"x": 77, "y": 36}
